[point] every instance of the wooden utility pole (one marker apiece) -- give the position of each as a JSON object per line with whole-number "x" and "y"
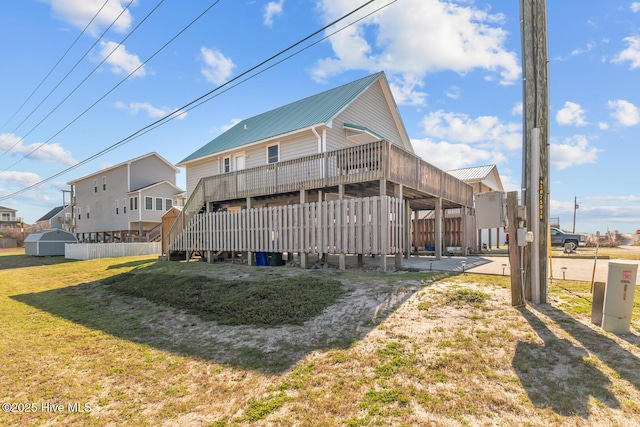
{"x": 533, "y": 21}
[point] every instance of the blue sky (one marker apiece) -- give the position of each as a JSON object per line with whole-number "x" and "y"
{"x": 454, "y": 67}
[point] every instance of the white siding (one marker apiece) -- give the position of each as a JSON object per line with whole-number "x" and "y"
{"x": 255, "y": 156}
{"x": 369, "y": 110}
{"x": 149, "y": 170}
{"x": 102, "y": 202}
{"x": 198, "y": 170}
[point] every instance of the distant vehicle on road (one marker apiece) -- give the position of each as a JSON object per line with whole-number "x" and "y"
{"x": 560, "y": 238}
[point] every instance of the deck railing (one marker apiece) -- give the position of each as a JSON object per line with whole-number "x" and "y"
{"x": 360, "y": 163}
{"x": 372, "y": 225}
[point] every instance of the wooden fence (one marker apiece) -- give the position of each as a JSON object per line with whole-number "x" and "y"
{"x": 371, "y": 225}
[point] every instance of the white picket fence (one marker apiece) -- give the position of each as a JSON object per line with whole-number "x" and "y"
{"x": 371, "y": 225}
{"x": 110, "y": 250}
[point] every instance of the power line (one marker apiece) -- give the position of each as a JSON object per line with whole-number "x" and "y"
{"x": 55, "y": 66}
{"x": 201, "y": 99}
{"x": 110, "y": 90}
{"x": 62, "y": 80}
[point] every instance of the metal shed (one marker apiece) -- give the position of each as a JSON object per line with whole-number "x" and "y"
{"x": 48, "y": 242}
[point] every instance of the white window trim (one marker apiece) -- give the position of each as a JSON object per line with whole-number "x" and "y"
{"x": 155, "y": 204}
{"x": 165, "y": 203}
{"x": 266, "y": 150}
{"x": 145, "y": 203}
{"x": 230, "y": 164}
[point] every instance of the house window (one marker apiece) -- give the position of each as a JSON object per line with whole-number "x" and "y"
{"x": 227, "y": 165}
{"x": 104, "y": 183}
{"x": 131, "y": 203}
{"x": 168, "y": 204}
{"x": 148, "y": 203}
{"x": 95, "y": 185}
{"x": 79, "y": 212}
{"x": 273, "y": 155}
{"x": 124, "y": 205}
{"x": 87, "y": 212}
{"x": 117, "y": 205}
{"x": 158, "y": 203}
{"x": 135, "y": 203}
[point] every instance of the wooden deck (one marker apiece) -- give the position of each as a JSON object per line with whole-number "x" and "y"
{"x": 361, "y": 168}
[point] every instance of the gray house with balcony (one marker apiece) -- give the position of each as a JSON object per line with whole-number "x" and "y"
{"x": 125, "y": 202}
{"x": 9, "y": 218}
{"x": 333, "y": 173}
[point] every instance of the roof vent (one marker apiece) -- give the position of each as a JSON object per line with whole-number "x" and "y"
{"x": 245, "y": 127}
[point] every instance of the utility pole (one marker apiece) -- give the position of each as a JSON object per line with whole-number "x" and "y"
{"x": 575, "y": 208}
{"x": 535, "y": 145}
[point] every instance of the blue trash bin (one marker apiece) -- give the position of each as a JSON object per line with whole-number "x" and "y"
{"x": 261, "y": 258}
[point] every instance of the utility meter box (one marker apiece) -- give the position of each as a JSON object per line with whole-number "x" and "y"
{"x": 618, "y": 297}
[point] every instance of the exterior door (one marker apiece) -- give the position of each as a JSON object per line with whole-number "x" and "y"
{"x": 238, "y": 165}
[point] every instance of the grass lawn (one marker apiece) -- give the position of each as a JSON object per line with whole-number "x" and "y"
{"x": 134, "y": 341}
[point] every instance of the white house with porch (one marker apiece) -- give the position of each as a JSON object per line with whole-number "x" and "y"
{"x": 333, "y": 173}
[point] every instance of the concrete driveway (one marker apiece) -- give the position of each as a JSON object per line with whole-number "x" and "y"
{"x": 568, "y": 268}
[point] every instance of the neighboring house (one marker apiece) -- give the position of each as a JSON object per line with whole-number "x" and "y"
{"x": 125, "y": 202}
{"x": 58, "y": 217}
{"x": 9, "y": 219}
{"x": 483, "y": 179}
{"x": 345, "y": 143}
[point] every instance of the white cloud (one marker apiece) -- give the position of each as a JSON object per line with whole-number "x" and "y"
{"x": 218, "y": 68}
{"x": 121, "y": 61}
{"x": 587, "y": 49}
{"x": 488, "y": 131}
{"x": 447, "y": 156}
{"x": 617, "y": 199}
{"x": 79, "y": 12}
{"x": 635, "y": 6}
{"x": 22, "y": 179}
{"x": 572, "y": 152}
{"x": 47, "y": 153}
{"x": 571, "y": 114}
{"x": 631, "y": 53}
{"x": 603, "y": 125}
{"x": 624, "y": 112}
{"x": 153, "y": 112}
{"x": 405, "y": 92}
{"x": 273, "y": 8}
{"x": 453, "y": 92}
{"x": 517, "y": 109}
{"x": 417, "y": 38}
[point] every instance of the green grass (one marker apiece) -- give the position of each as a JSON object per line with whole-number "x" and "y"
{"x": 455, "y": 353}
{"x": 467, "y": 296}
{"x": 234, "y": 302}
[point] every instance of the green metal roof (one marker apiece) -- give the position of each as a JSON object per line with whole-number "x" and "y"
{"x": 314, "y": 110}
